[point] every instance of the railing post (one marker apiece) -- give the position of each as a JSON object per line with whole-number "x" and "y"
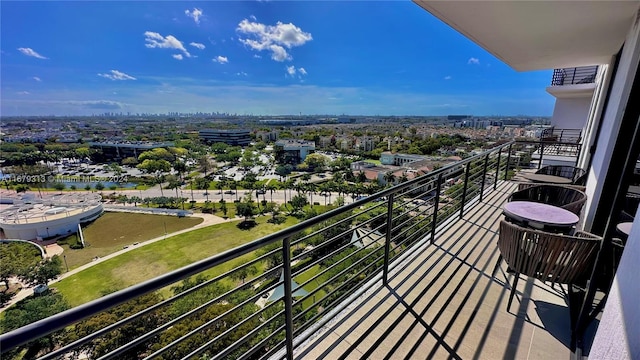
{"x": 541, "y": 152}
{"x": 387, "y": 242}
{"x": 435, "y": 208}
{"x": 484, "y": 175}
{"x": 506, "y": 170}
{"x": 288, "y": 296}
{"x": 495, "y": 181}
{"x": 464, "y": 189}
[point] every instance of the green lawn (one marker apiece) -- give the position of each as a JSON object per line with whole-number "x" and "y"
{"x": 111, "y": 231}
{"x": 161, "y": 257}
{"x": 313, "y": 271}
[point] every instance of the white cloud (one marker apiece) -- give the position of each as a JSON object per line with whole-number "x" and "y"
{"x": 253, "y": 17}
{"x": 261, "y": 37}
{"x": 155, "y": 40}
{"x": 473, "y": 61}
{"x": 31, "y": 52}
{"x": 257, "y": 56}
{"x": 23, "y": 93}
{"x": 195, "y": 14}
{"x": 36, "y": 79}
{"x": 197, "y": 45}
{"x": 292, "y": 71}
{"x": 448, "y": 77}
{"x": 221, "y": 59}
{"x": 242, "y": 73}
{"x": 117, "y": 75}
{"x": 177, "y": 56}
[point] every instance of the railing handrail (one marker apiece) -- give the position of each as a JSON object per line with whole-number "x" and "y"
{"x": 574, "y": 75}
{"x": 61, "y": 320}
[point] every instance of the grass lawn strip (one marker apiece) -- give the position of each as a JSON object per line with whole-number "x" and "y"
{"x": 161, "y": 257}
{"x": 110, "y": 232}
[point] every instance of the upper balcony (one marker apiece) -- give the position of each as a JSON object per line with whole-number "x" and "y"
{"x": 403, "y": 273}
{"x": 575, "y": 82}
{"x": 574, "y": 76}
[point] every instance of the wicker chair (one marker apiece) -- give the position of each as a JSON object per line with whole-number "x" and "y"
{"x": 559, "y": 259}
{"x": 561, "y": 196}
{"x": 577, "y": 175}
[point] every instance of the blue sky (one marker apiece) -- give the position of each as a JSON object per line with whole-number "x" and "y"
{"x": 259, "y": 57}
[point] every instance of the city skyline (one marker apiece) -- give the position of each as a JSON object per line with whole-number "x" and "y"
{"x": 261, "y": 58}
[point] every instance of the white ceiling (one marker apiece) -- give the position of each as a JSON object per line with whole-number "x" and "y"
{"x": 532, "y": 35}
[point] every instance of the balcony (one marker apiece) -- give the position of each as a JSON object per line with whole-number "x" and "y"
{"x": 444, "y": 303}
{"x": 557, "y": 146}
{"x": 405, "y": 272}
{"x": 574, "y": 76}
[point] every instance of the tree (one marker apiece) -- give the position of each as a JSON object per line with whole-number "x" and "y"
{"x": 246, "y": 209}
{"x": 362, "y": 177}
{"x": 44, "y": 271}
{"x": 242, "y": 273}
{"x": 297, "y": 203}
{"x": 16, "y": 259}
{"x": 180, "y": 167}
{"x": 389, "y": 178}
{"x": 201, "y": 183}
{"x": 223, "y": 207}
{"x": 99, "y": 186}
{"x": 270, "y": 188}
{"x": 316, "y": 162}
{"x": 22, "y": 188}
{"x": 59, "y": 186}
{"x": 29, "y": 311}
{"x": 130, "y": 161}
{"x": 157, "y": 154}
{"x": 157, "y": 167}
{"x": 282, "y": 171}
{"x": 204, "y": 164}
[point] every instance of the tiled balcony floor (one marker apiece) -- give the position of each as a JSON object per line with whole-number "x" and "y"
{"x": 445, "y": 304}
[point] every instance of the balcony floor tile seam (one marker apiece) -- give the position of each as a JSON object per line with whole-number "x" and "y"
{"x": 507, "y": 185}
{"x": 487, "y": 265}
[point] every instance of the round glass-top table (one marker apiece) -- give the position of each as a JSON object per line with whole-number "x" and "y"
{"x": 540, "y": 216}
{"x": 549, "y": 179}
{"x": 624, "y": 227}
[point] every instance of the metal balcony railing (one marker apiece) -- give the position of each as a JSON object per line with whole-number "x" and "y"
{"x": 264, "y": 298}
{"x": 576, "y": 75}
{"x": 561, "y": 135}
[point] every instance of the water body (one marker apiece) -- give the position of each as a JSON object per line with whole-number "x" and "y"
{"x": 80, "y": 185}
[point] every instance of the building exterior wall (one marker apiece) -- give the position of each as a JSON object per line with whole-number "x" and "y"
{"x": 571, "y": 113}
{"x": 619, "y": 329}
{"x": 51, "y": 228}
{"x": 229, "y": 137}
{"x": 293, "y": 151}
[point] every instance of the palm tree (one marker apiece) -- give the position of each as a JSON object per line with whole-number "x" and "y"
{"x": 220, "y": 186}
{"x": 234, "y": 186}
{"x": 389, "y": 178}
{"x": 325, "y": 190}
{"x": 271, "y": 188}
{"x": 311, "y": 189}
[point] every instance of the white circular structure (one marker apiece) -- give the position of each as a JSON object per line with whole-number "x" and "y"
{"x": 31, "y": 217}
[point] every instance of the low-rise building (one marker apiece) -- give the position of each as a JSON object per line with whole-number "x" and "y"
{"x": 235, "y": 137}
{"x": 121, "y": 150}
{"x": 293, "y": 151}
{"x": 389, "y": 158}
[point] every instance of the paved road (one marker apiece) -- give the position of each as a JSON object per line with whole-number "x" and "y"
{"x": 215, "y": 195}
